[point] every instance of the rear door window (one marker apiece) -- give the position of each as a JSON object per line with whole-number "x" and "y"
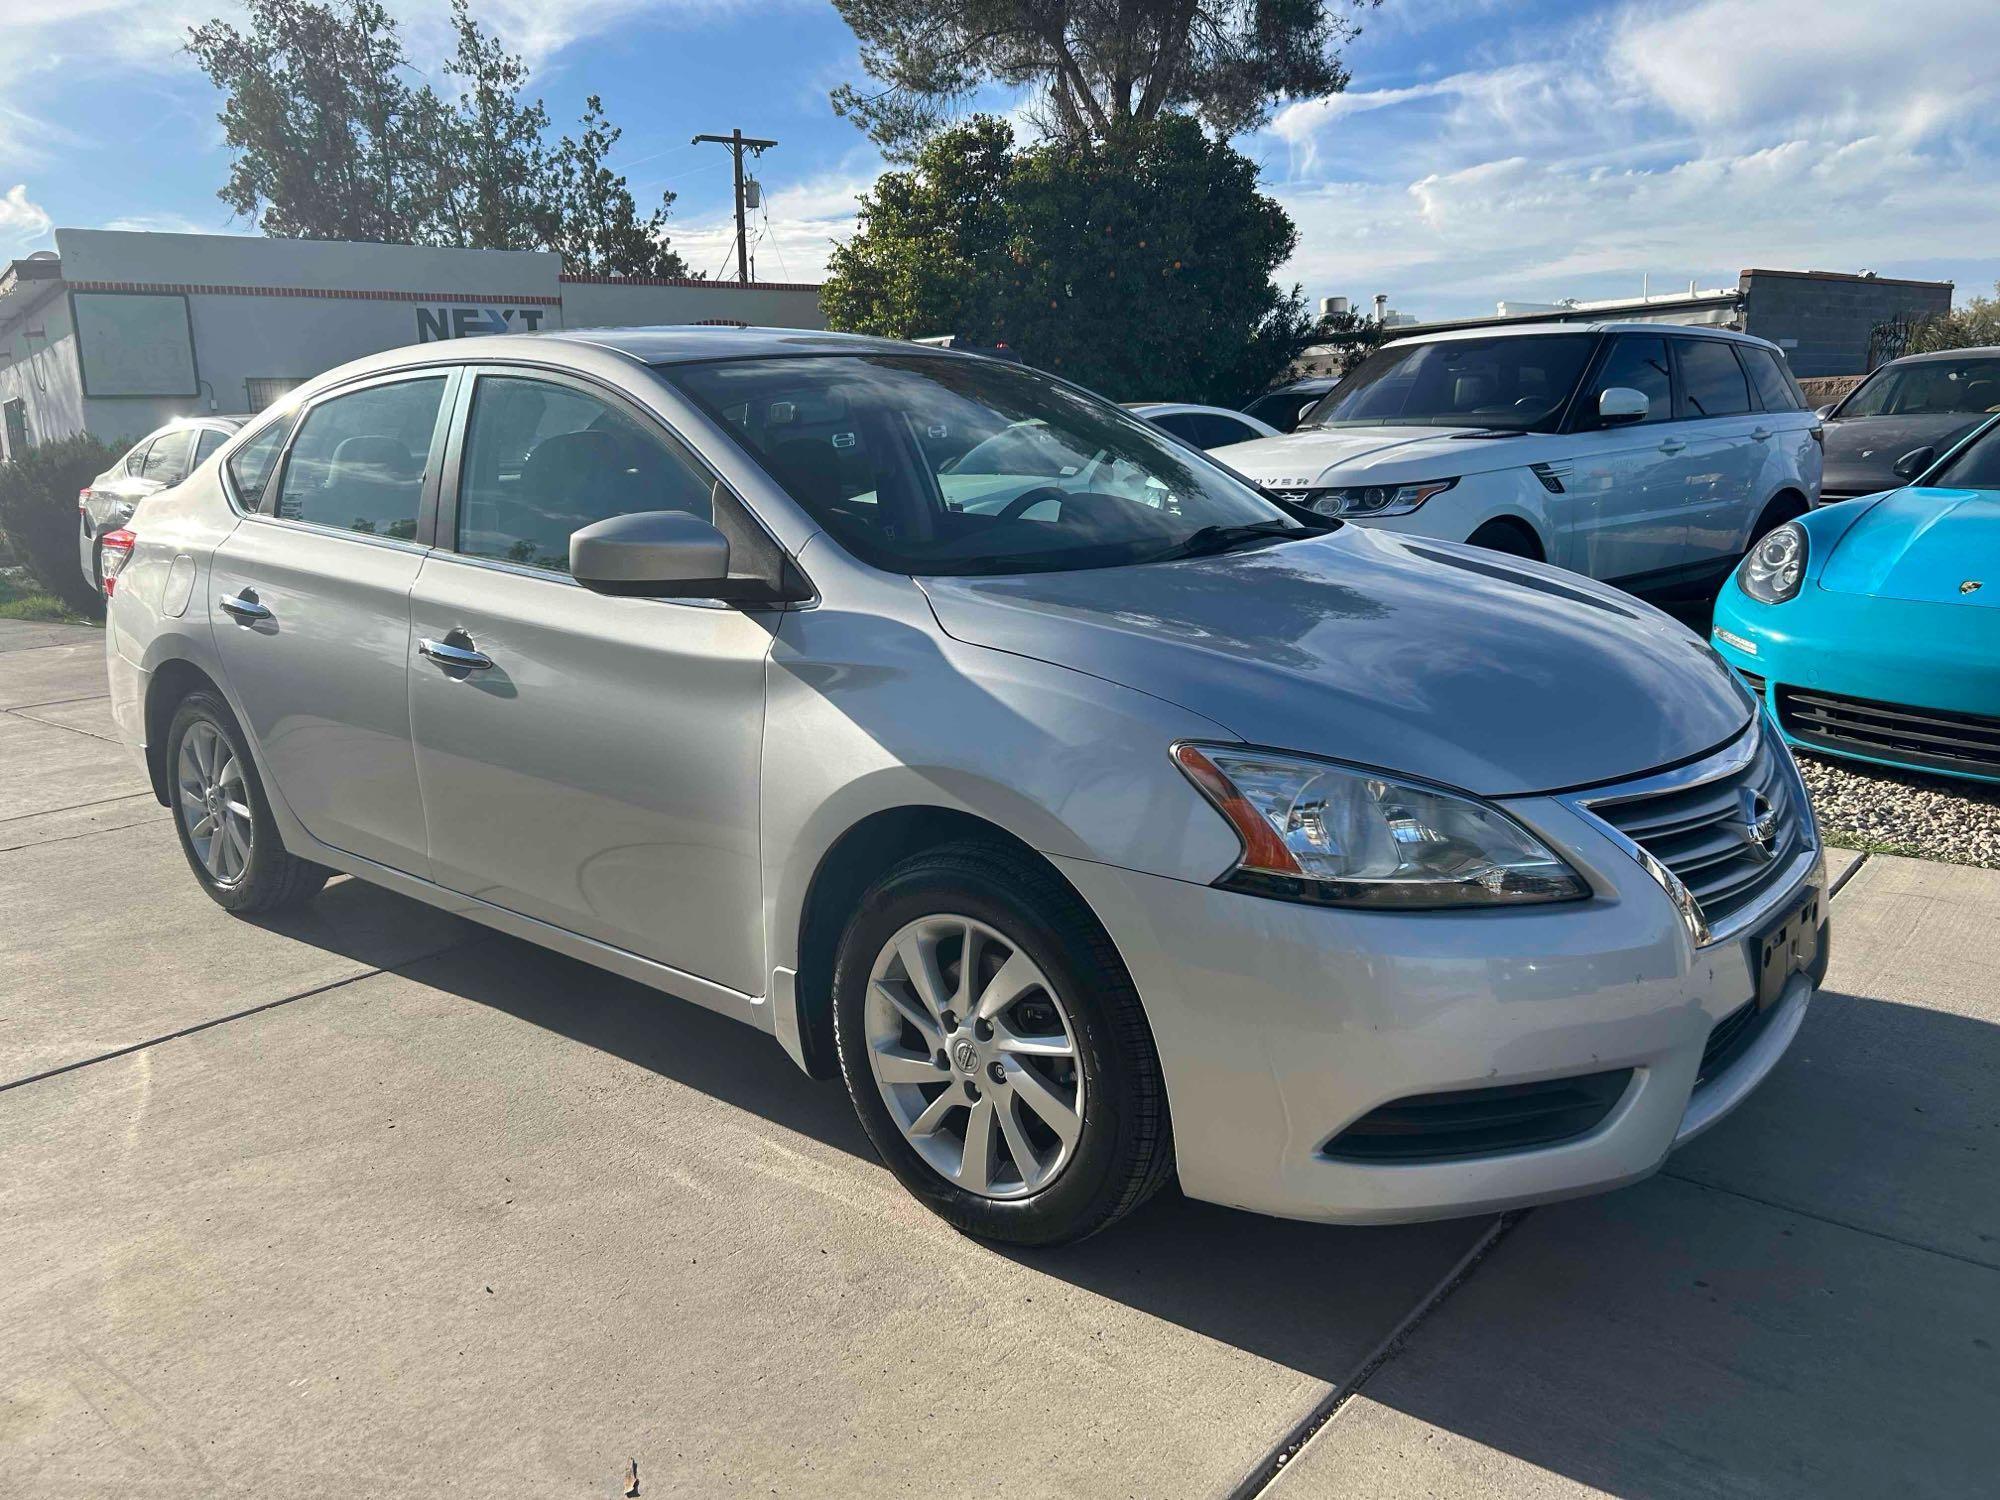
{"x": 1711, "y": 378}
{"x": 135, "y": 461}
{"x": 249, "y": 467}
{"x": 357, "y": 463}
{"x": 1772, "y": 380}
{"x": 205, "y": 446}
{"x": 167, "y": 459}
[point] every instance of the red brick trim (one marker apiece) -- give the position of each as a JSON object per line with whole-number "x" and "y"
{"x": 691, "y": 281}
{"x": 510, "y": 299}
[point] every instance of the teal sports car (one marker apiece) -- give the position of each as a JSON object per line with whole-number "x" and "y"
{"x": 1871, "y": 628}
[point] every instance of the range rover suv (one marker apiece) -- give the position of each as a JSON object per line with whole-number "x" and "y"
{"x": 1649, "y": 456}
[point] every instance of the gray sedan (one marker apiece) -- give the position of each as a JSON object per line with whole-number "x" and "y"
{"x": 1098, "y": 822}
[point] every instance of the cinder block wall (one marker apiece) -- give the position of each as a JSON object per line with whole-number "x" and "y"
{"x": 1822, "y": 321}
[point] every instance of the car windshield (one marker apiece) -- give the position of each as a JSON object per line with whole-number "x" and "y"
{"x": 937, "y": 465}
{"x": 1507, "y": 384}
{"x": 1977, "y": 466}
{"x": 1930, "y": 387}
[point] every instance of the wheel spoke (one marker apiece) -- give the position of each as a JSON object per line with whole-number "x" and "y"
{"x": 926, "y": 1025}
{"x": 212, "y": 855}
{"x": 1038, "y": 1096}
{"x": 968, "y": 967}
{"x": 232, "y": 773}
{"x": 892, "y": 1066}
{"x": 1014, "y": 978}
{"x": 203, "y": 826}
{"x": 920, "y": 963}
{"x": 935, "y": 1112}
{"x": 976, "y": 1171}
{"x": 238, "y": 847}
{"x": 1009, "y": 1040}
{"x": 1018, "y": 1145}
{"x": 204, "y": 749}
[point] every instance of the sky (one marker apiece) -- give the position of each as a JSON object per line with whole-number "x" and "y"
{"x": 1486, "y": 149}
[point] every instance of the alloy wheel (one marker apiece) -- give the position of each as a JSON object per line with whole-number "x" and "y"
{"x": 214, "y": 803}
{"x": 975, "y": 1055}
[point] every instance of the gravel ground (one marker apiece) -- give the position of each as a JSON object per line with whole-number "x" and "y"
{"x": 1902, "y": 812}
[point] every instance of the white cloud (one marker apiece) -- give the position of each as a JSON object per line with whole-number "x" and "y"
{"x": 22, "y": 222}
{"x": 792, "y": 236}
{"x": 1685, "y": 139}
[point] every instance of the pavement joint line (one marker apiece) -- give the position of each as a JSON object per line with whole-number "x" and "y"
{"x": 1819, "y": 1218}
{"x": 1306, "y": 1428}
{"x": 1847, "y": 874}
{"x": 88, "y": 833}
{"x": 214, "y": 1021}
{"x": 58, "y": 702}
{"x": 48, "y": 812}
{"x": 23, "y": 714}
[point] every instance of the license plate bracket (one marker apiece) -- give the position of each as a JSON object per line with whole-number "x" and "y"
{"x": 1786, "y": 946}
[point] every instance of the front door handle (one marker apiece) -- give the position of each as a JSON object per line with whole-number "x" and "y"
{"x": 1761, "y": 434}
{"x": 454, "y": 658}
{"x": 1671, "y": 445}
{"x": 243, "y": 607}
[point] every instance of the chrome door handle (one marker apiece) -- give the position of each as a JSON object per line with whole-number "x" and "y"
{"x": 1671, "y": 445}
{"x": 244, "y": 607}
{"x": 1761, "y": 434}
{"x": 458, "y": 658}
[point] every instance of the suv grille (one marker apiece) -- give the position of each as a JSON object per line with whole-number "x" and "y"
{"x": 1706, "y": 833}
{"x": 1935, "y": 737}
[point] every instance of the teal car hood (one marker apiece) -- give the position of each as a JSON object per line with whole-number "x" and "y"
{"x": 1922, "y": 545}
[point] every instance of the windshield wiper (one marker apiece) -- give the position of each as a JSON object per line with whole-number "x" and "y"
{"x": 1209, "y": 540}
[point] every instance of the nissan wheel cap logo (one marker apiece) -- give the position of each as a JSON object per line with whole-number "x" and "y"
{"x": 965, "y": 1055}
{"x": 1759, "y": 828}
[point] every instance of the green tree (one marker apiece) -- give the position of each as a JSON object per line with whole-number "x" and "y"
{"x": 596, "y": 222}
{"x": 1097, "y": 66}
{"x": 1139, "y": 265}
{"x": 493, "y": 171}
{"x": 38, "y": 514}
{"x": 1974, "y": 325}
{"x": 330, "y": 139}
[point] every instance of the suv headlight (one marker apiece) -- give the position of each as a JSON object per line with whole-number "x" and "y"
{"x": 1376, "y": 499}
{"x": 1776, "y": 566}
{"x": 1337, "y": 836}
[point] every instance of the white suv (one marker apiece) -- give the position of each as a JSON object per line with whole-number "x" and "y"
{"x": 1647, "y": 455}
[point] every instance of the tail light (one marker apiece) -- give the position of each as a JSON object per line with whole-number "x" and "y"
{"x": 117, "y": 552}
{"x": 83, "y": 497}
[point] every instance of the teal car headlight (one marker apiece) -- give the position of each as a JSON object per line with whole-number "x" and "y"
{"x": 1776, "y": 566}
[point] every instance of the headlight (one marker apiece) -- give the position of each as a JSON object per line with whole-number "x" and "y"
{"x": 1341, "y": 837}
{"x": 1776, "y": 566}
{"x": 1376, "y": 499}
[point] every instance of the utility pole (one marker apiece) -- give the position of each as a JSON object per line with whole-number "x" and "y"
{"x": 738, "y": 143}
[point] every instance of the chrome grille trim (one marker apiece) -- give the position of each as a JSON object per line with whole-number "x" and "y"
{"x": 1685, "y": 829}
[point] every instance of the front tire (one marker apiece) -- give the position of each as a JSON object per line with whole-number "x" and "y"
{"x": 995, "y": 1048}
{"x": 223, "y": 818}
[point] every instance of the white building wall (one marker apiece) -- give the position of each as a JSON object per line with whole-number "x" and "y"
{"x": 38, "y": 368}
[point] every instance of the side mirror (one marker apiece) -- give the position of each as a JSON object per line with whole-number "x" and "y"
{"x": 1620, "y": 405}
{"x": 653, "y": 554}
{"x": 1823, "y": 412}
{"x": 1913, "y": 463}
{"x": 1303, "y": 410}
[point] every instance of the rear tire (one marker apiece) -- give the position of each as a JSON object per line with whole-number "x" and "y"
{"x": 1507, "y": 538}
{"x": 1075, "y": 1132}
{"x": 223, "y": 817}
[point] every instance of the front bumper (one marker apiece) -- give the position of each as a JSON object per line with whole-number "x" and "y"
{"x": 1278, "y": 1025}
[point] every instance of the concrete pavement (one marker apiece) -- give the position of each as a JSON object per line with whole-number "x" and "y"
{"x": 439, "y": 1210}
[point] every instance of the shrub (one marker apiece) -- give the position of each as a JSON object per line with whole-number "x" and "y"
{"x": 38, "y": 514}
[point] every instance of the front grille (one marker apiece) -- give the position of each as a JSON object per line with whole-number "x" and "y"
{"x": 1729, "y": 1037}
{"x": 1479, "y": 1122}
{"x": 1705, "y": 832}
{"x": 1936, "y": 737}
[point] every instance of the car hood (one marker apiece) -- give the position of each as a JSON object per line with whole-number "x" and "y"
{"x": 1861, "y": 452}
{"x": 1923, "y": 545}
{"x": 1365, "y": 455}
{"x": 1426, "y": 658}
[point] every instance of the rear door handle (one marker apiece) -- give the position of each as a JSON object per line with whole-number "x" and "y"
{"x": 455, "y": 658}
{"x": 1671, "y": 445}
{"x": 244, "y": 607}
{"x": 1761, "y": 434}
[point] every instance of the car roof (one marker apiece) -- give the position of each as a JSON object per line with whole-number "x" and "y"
{"x": 1932, "y": 356}
{"x": 1168, "y": 408}
{"x": 1543, "y": 330}
{"x": 682, "y": 344}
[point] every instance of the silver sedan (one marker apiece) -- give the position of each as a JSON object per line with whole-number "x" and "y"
{"x": 1097, "y": 819}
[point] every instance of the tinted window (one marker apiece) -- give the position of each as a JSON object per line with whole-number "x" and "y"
{"x": 205, "y": 446}
{"x": 1281, "y": 409}
{"x": 167, "y": 459}
{"x": 1712, "y": 378}
{"x": 1929, "y": 386}
{"x": 1637, "y": 362}
{"x": 1064, "y": 481}
{"x": 1977, "y": 468}
{"x": 250, "y": 466}
{"x": 1182, "y": 425}
{"x": 542, "y": 460}
{"x": 1213, "y": 431}
{"x": 357, "y": 463}
{"x": 1773, "y": 382}
{"x": 1516, "y": 384}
